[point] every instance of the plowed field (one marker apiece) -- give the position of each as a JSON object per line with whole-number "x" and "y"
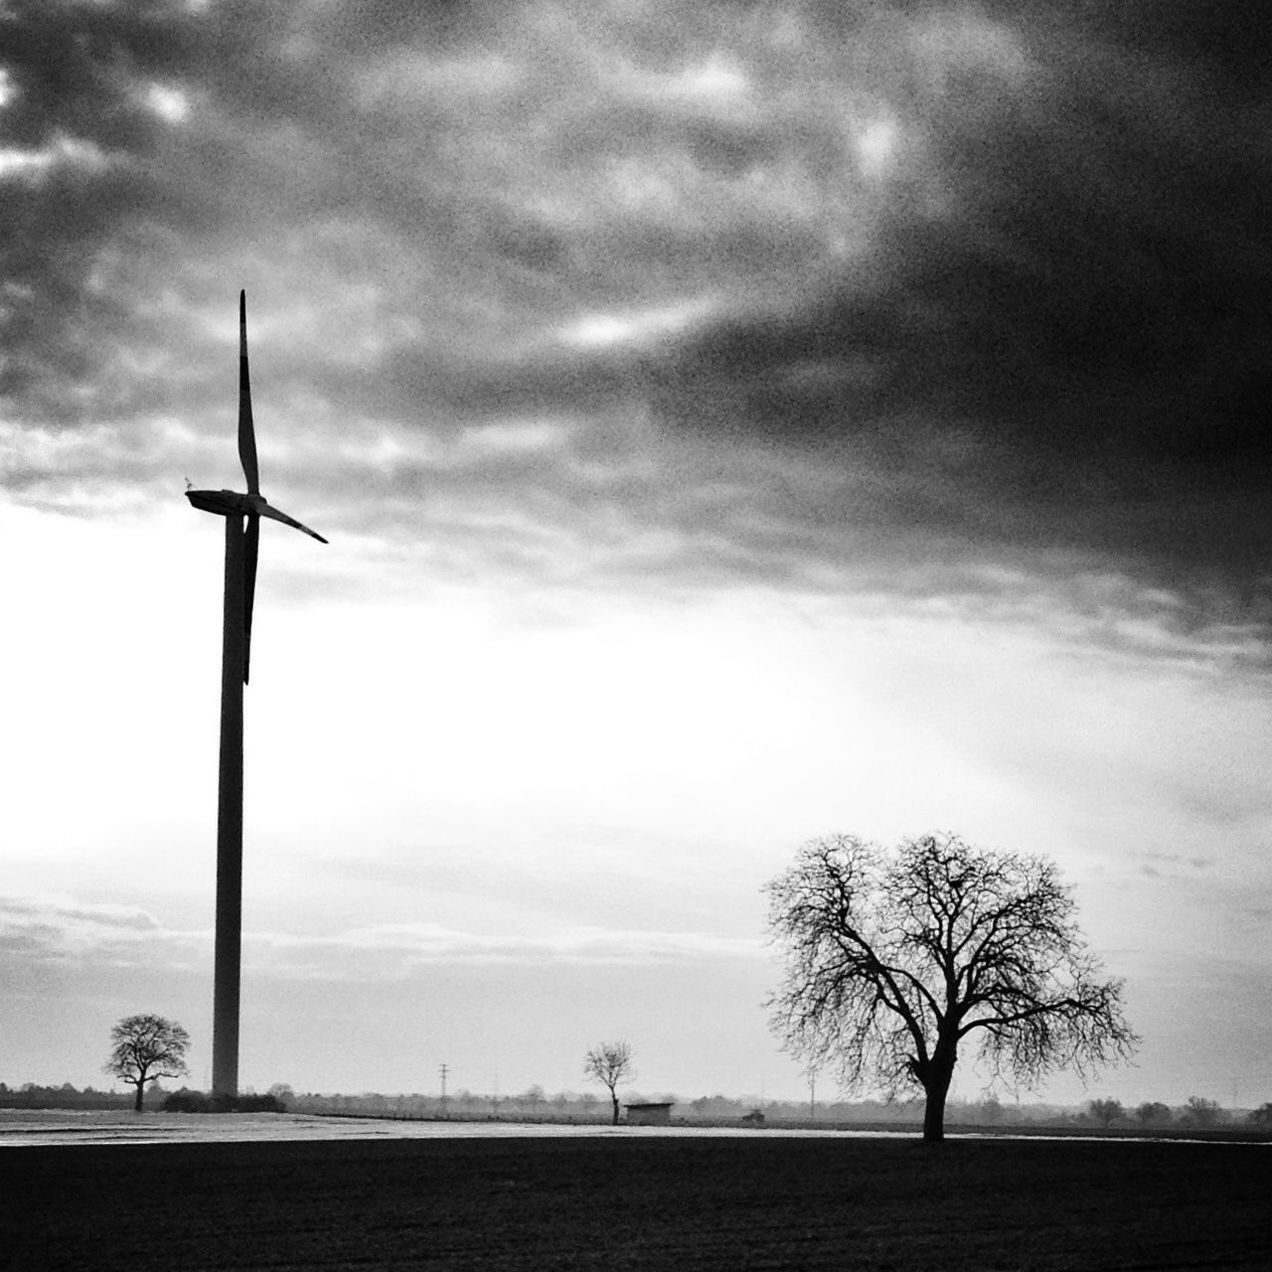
{"x": 764, "y": 1201}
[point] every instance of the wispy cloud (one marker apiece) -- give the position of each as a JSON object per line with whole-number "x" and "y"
{"x": 395, "y": 950}
{"x": 58, "y": 930}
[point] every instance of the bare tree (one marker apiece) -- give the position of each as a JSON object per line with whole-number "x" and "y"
{"x": 894, "y": 959}
{"x": 145, "y": 1049}
{"x": 610, "y": 1063}
{"x": 1201, "y": 1112}
{"x": 1106, "y": 1112}
{"x": 991, "y": 1110}
{"x": 1260, "y": 1117}
{"x": 1152, "y": 1113}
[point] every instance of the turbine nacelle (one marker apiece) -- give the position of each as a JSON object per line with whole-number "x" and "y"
{"x": 252, "y": 505}
{"x": 233, "y": 503}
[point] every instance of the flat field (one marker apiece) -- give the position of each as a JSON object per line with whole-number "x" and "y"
{"x": 758, "y": 1201}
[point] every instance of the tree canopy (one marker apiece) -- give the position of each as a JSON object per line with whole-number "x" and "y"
{"x": 893, "y": 959}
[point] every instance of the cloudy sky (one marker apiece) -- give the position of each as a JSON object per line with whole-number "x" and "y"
{"x": 733, "y": 423}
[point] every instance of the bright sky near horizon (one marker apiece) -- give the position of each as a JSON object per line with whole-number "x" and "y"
{"x": 733, "y": 423}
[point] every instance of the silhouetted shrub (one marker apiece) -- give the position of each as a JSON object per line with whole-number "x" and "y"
{"x": 185, "y": 1101}
{"x": 200, "y": 1102}
{"x": 259, "y": 1104}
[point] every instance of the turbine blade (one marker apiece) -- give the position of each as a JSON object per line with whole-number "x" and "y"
{"x": 268, "y": 510}
{"x": 251, "y": 546}
{"x": 246, "y": 433}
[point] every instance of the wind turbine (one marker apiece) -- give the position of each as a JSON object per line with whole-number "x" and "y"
{"x": 236, "y": 637}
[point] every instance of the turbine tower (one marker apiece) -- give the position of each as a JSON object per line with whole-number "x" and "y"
{"x": 240, "y": 583}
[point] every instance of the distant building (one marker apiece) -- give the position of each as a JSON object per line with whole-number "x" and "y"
{"x": 648, "y": 1114}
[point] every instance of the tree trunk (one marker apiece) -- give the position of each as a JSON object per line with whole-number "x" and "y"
{"x": 934, "y": 1113}
{"x": 137, "y": 1101}
{"x": 614, "y": 1098}
{"x": 936, "y": 1086}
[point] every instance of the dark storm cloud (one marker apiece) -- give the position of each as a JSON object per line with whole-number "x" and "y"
{"x": 1072, "y": 341}
{"x": 924, "y": 298}
{"x": 69, "y": 76}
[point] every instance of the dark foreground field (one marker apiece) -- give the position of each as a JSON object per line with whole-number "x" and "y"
{"x": 758, "y": 1202}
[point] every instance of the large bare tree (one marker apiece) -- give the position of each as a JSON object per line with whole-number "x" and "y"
{"x": 895, "y": 959}
{"x": 610, "y": 1063}
{"x": 145, "y": 1049}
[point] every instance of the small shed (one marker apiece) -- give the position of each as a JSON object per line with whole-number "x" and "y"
{"x": 648, "y": 1115}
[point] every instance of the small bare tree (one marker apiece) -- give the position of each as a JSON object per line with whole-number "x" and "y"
{"x": 610, "y": 1063}
{"x": 893, "y": 960}
{"x": 1153, "y": 1113}
{"x": 1201, "y": 1112}
{"x": 1106, "y": 1112}
{"x": 145, "y": 1049}
{"x": 1260, "y": 1117}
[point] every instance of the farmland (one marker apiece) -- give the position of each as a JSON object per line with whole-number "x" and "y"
{"x": 764, "y": 1201}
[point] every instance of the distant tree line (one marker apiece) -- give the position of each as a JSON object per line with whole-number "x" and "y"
{"x": 1196, "y": 1113}
{"x": 31, "y": 1095}
{"x": 534, "y": 1104}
